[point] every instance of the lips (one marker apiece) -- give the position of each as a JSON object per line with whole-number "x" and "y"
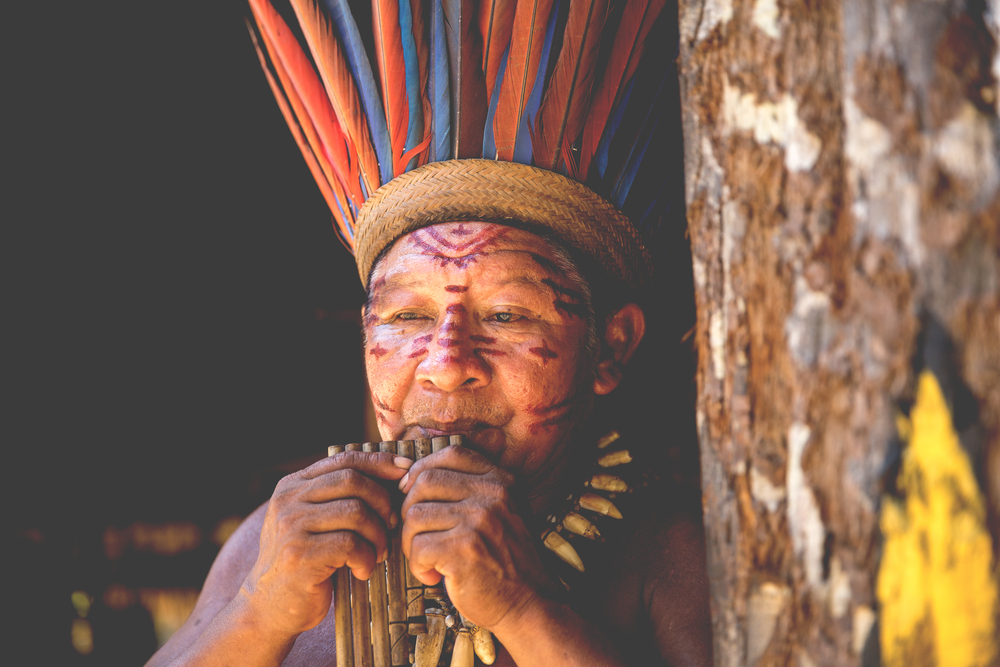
{"x": 485, "y": 438}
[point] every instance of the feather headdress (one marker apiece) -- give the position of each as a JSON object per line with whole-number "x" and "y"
{"x": 580, "y": 88}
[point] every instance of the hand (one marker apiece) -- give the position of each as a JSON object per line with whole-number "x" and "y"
{"x": 460, "y": 523}
{"x": 330, "y": 515}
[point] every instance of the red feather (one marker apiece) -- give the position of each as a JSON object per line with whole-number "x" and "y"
{"x": 298, "y": 122}
{"x": 561, "y": 115}
{"x": 340, "y": 87}
{"x": 308, "y": 99}
{"x": 496, "y": 22}
{"x": 392, "y": 75}
{"x": 630, "y": 41}
{"x": 527, "y": 42}
{"x": 420, "y": 37}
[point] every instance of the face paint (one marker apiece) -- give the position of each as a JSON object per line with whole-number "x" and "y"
{"x": 489, "y": 348}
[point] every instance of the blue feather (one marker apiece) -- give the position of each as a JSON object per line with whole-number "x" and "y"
{"x": 522, "y": 147}
{"x": 622, "y": 182}
{"x": 361, "y": 69}
{"x": 604, "y": 147}
{"x": 489, "y": 140}
{"x": 439, "y": 87}
{"x": 415, "y": 126}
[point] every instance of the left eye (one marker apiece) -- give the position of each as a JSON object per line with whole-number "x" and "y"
{"x": 408, "y": 316}
{"x": 505, "y": 317}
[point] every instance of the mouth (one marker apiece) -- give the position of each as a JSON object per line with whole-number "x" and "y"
{"x": 481, "y": 436}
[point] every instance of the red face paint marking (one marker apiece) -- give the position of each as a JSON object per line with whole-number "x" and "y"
{"x": 455, "y": 308}
{"x": 423, "y": 340}
{"x": 381, "y": 418}
{"x": 417, "y": 353}
{"x": 449, "y": 342}
{"x": 485, "y": 351}
{"x": 574, "y": 309}
{"x": 432, "y": 242}
{"x": 544, "y": 352}
{"x": 378, "y": 351}
{"x": 379, "y": 403}
{"x": 564, "y": 410}
{"x": 451, "y": 326}
{"x": 456, "y": 288}
{"x": 483, "y": 339}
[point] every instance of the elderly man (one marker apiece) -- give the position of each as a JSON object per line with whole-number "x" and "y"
{"x": 481, "y": 330}
{"x": 498, "y": 309}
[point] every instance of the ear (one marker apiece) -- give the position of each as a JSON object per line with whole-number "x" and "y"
{"x": 621, "y": 337}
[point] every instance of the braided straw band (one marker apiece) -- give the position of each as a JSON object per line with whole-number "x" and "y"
{"x": 507, "y": 193}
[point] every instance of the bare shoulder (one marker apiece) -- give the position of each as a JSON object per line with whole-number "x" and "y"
{"x": 654, "y": 587}
{"x": 231, "y": 566}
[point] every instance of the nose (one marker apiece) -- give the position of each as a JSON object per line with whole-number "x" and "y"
{"x": 451, "y": 363}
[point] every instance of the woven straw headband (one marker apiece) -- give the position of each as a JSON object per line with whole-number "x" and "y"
{"x": 505, "y": 193}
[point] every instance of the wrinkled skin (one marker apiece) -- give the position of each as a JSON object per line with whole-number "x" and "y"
{"x": 471, "y": 328}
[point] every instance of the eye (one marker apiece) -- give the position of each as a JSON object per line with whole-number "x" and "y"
{"x": 408, "y": 317}
{"x": 505, "y": 317}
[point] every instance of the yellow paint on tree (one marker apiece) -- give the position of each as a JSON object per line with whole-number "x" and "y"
{"x": 936, "y": 591}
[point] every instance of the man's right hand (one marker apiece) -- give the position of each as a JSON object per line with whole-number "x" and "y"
{"x": 333, "y": 513}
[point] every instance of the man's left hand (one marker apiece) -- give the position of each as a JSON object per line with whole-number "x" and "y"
{"x": 460, "y": 523}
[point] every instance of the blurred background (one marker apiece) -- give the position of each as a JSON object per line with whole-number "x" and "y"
{"x": 181, "y": 319}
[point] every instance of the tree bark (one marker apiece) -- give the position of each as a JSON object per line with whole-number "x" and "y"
{"x": 843, "y": 194}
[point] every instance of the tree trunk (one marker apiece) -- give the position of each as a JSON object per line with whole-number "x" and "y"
{"x": 843, "y": 193}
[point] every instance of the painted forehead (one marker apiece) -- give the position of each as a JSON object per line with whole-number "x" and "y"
{"x": 461, "y": 244}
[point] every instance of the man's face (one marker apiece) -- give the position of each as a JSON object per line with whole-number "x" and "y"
{"x": 472, "y": 328}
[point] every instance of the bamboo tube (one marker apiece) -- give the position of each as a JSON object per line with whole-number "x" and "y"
{"x": 414, "y": 589}
{"x": 399, "y": 643}
{"x": 423, "y": 447}
{"x": 439, "y": 443}
{"x": 362, "y": 621}
{"x": 378, "y": 601}
{"x": 342, "y": 617}
{"x": 353, "y": 447}
{"x": 455, "y": 440}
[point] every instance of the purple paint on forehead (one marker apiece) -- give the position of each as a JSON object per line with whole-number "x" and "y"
{"x": 456, "y": 288}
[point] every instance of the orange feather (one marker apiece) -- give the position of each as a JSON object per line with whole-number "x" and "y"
{"x": 527, "y": 42}
{"x": 496, "y": 22}
{"x": 563, "y": 111}
{"x": 340, "y": 87}
{"x": 392, "y": 75}
{"x": 299, "y": 124}
{"x": 307, "y": 95}
{"x": 626, "y": 51}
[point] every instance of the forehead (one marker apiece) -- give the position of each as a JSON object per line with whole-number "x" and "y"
{"x": 462, "y": 246}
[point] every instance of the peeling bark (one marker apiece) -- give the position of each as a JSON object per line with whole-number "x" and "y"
{"x": 843, "y": 186}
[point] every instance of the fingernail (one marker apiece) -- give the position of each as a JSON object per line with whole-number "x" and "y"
{"x": 402, "y": 482}
{"x": 402, "y": 462}
{"x": 393, "y": 520}
{"x": 384, "y": 557}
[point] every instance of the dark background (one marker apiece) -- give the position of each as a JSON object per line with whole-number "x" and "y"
{"x": 179, "y": 318}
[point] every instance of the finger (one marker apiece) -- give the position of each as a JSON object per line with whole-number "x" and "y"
{"x": 440, "y": 485}
{"x": 429, "y": 518}
{"x": 381, "y": 465}
{"x": 458, "y": 459}
{"x": 349, "y": 514}
{"x": 431, "y": 555}
{"x": 350, "y": 483}
{"x": 343, "y": 548}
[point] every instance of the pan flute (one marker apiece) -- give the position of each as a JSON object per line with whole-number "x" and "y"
{"x": 376, "y": 619}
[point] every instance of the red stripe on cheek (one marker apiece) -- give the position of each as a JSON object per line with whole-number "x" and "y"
{"x": 378, "y": 351}
{"x": 423, "y": 340}
{"x": 417, "y": 353}
{"x": 544, "y": 352}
